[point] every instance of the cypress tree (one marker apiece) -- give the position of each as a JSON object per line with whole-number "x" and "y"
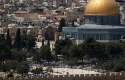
{"x": 2, "y": 47}
{"x": 9, "y": 41}
{"x": 73, "y": 23}
{"x": 61, "y": 24}
{"x": 42, "y": 42}
{"x": 45, "y": 53}
{"x": 48, "y": 42}
{"x": 17, "y": 42}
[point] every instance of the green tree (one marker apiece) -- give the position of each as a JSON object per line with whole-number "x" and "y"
{"x": 37, "y": 70}
{"x": 49, "y": 33}
{"x": 122, "y": 44}
{"x": 17, "y": 41}
{"x": 45, "y": 53}
{"x": 113, "y": 50}
{"x": 9, "y": 41}
{"x": 72, "y": 61}
{"x": 65, "y": 52}
{"x": 61, "y": 24}
{"x": 28, "y": 41}
{"x": 4, "y": 50}
{"x": 116, "y": 65}
{"x": 74, "y": 51}
{"x": 9, "y": 64}
{"x": 18, "y": 55}
{"x": 42, "y": 42}
{"x": 73, "y": 23}
{"x": 48, "y": 42}
{"x": 60, "y": 44}
{"x": 81, "y": 50}
{"x": 36, "y": 57}
{"x": 23, "y": 68}
{"x": 7, "y": 53}
{"x": 2, "y": 47}
{"x": 93, "y": 50}
{"x": 102, "y": 56}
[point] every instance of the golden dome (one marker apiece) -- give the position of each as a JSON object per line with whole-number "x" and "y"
{"x": 102, "y": 7}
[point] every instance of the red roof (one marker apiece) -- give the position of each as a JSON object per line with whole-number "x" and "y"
{"x": 61, "y": 16}
{"x": 1, "y": 10}
{"x": 46, "y": 15}
{"x": 21, "y": 12}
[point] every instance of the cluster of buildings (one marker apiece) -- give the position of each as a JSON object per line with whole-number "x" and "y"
{"x": 38, "y": 17}
{"x": 101, "y": 19}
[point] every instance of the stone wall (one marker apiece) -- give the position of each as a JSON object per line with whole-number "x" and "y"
{"x": 111, "y": 76}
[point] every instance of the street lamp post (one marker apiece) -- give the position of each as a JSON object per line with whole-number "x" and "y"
{"x": 57, "y": 69}
{"x": 88, "y": 71}
{"x": 63, "y": 72}
{"x": 82, "y": 70}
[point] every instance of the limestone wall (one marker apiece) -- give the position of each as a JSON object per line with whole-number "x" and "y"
{"x": 113, "y": 76}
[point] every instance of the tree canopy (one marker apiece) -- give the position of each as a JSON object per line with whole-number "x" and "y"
{"x": 61, "y": 24}
{"x": 23, "y": 68}
{"x": 28, "y": 41}
{"x": 60, "y": 44}
{"x": 17, "y": 41}
{"x": 3, "y": 47}
{"x": 9, "y": 41}
{"x": 45, "y": 52}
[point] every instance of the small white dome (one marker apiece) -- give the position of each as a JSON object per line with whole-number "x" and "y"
{"x": 12, "y": 25}
{"x": 1, "y": 30}
{"x": 70, "y": 10}
{"x": 30, "y": 27}
{"x": 39, "y": 31}
{"x": 28, "y": 32}
{"x": 39, "y": 36}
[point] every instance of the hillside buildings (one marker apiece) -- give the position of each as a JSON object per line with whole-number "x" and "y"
{"x": 37, "y": 17}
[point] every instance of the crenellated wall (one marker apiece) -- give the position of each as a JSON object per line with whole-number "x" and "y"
{"x": 108, "y": 76}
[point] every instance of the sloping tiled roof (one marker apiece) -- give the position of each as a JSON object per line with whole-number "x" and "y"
{"x": 61, "y": 16}
{"x": 21, "y": 12}
{"x": 1, "y": 10}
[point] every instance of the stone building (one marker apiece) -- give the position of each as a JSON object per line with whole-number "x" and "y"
{"x": 102, "y": 22}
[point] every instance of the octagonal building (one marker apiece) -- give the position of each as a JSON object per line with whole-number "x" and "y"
{"x": 102, "y": 22}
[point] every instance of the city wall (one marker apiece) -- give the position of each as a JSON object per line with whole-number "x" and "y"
{"x": 111, "y": 76}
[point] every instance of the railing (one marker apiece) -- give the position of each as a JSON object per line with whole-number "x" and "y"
{"x": 105, "y": 76}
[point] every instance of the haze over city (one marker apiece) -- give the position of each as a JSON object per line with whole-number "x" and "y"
{"x": 62, "y": 39}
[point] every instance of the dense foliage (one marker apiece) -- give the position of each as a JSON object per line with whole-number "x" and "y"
{"x": 17, "y": 41}
{"x": 45, "y": 53}
{"x": 108, "y": 56}
{"x": 115, "y": 65}
{"x": 61, "y": 24}
{"x": 12, "y": 54}
{"x": 9, "y": 41}
{"x": 37, "y": 70}
{"x": 28, "y": 41}
{"x": 23, "y": 68}
{"x": 103, "y": 55}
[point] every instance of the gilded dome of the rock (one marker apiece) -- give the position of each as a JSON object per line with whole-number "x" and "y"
{"x": 102, "y": 7}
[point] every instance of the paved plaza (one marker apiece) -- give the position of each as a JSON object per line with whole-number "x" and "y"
{"x": 70, "y": 71}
